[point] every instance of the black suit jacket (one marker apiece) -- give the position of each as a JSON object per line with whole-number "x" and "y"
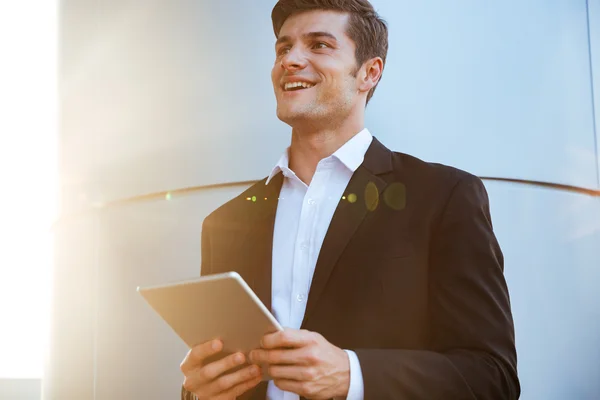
{"x": 410, "y": 277}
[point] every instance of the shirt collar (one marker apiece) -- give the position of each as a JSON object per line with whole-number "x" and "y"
{"x": 281, "y": 166}
{"x": 351, "y": 154}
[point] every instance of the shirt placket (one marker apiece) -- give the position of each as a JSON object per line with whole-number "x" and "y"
{"x": 301, "y": 260}
{"x": 303, "y": 268}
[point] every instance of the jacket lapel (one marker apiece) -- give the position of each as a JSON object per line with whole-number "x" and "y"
{"x": 360, "y": 196}
{"x": 260, "y": 234}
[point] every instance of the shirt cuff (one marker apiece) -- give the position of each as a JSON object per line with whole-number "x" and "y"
{"x": 357, "y": 389}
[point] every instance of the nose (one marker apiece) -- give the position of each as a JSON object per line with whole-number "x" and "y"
{"x": 294, "y": 59}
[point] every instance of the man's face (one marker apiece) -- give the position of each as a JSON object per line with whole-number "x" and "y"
{"x": 314, "y": 51}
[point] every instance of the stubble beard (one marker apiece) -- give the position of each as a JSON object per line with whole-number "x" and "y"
{"x": 305, "y": 114}
{"x": 323, "y": 112}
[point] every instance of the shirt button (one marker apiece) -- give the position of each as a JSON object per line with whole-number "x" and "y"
{"x": 311, "y": 201}
{"x": 300, "y": 298}
{"x": 304, "y": 246}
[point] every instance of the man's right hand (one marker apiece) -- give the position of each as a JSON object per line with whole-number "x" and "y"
{"x": 208, "y": 381}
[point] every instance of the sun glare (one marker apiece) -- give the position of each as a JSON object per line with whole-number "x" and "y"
{"x": 28, "y": 178}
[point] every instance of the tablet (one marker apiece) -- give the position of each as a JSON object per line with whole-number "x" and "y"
{"x": 214, "y": 306}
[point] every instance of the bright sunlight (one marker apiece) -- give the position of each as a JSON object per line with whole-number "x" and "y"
{"x": 28, "y": 177}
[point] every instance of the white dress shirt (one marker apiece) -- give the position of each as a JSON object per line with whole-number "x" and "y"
{"x": 302, "y": 220}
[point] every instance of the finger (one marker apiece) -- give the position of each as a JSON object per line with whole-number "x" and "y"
{"x": 288, "y": 338}
{"x": 293, "y": 372}
{"x": 281, "y": 356}
{"x": 213, "y": 370}
{"x": 227, "y": 382}
{"x": 240, "y": 389}
{"x": 197, "y": 354}
{"x": 298, "y": 387}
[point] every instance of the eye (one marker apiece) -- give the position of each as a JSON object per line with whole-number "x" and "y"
{"x": 320, "y": 45}
{"x": 283, "y": 50}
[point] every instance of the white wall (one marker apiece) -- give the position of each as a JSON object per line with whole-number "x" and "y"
{"x": 173, "y": 95}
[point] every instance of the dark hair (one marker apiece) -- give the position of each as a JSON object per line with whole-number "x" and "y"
{"x": 368, "y": 31}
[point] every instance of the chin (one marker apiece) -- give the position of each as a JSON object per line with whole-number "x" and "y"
{"x": 287, "y": 115}
{"x": 288, "y": 119}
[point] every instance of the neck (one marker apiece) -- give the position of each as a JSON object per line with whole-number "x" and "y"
{"x": 311, "y": 144}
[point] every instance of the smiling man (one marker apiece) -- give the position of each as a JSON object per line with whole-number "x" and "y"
{"x": 383, "y": 268}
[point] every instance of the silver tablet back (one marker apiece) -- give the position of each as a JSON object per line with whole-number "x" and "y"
{"x": 214, "y": 306}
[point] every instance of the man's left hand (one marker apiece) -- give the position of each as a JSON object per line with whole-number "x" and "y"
{"x": 305, "y": 363}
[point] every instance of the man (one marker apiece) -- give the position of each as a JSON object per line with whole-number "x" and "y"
{"x": 384, "y": 269}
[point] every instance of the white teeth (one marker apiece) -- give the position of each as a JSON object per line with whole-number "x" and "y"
{"x": 292, "y": 85}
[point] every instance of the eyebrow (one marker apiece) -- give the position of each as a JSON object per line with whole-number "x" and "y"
{"x": 310, "y": 35}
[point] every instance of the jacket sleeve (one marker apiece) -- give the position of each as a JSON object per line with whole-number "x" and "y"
{"x": 185, "y": 395}
{"x": 472, "y": 348}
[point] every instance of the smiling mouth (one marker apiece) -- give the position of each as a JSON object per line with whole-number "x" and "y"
{"x": 296, "y": 86}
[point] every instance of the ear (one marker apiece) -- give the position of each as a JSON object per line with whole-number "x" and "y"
{"x": 370, "y": 73}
